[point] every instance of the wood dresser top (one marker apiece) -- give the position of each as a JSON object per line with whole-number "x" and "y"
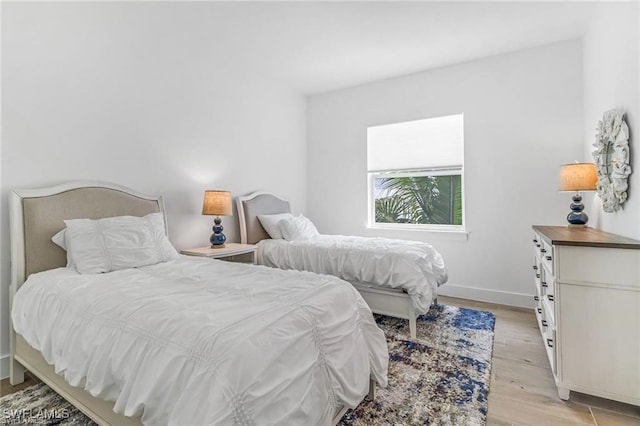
{"x": 588, "y": 237}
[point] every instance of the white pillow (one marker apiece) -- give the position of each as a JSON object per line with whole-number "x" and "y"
{"x": 298, "y": 228}
{"x": 271, "y": 223}
{"x": 115, "y": 243}
{"x": 59, "y": 240}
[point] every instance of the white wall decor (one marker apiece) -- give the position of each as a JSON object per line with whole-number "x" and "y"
{"x": 613, "y": 37}
{"x": 612, "y": 160}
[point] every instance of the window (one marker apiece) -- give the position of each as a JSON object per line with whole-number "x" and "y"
{"x": 415, "y": 174}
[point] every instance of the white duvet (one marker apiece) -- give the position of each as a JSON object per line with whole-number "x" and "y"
{"x": 196, "y": 341}
{"x": 413, "y": 266}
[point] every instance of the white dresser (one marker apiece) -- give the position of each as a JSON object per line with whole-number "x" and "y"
{"x": 587, "y": 305}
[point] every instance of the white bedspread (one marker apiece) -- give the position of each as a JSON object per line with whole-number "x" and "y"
{"x": 196, "y": 341}
{"x": 410, "y": 265}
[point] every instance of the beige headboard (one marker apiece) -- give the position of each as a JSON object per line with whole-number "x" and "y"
{"x": 252, "y": 205}
{"x": 38, "y": 214}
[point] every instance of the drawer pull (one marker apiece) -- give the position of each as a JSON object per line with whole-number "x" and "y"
{"x": 538, "y": 245}
{"x": 544, "y": 284}
{"x": 550, "y": 343}
{"x": 535, "y": 267}
{"x": 550, "y": 297}
{"x": 536, "y": 298}
{"x": 544, "y": 323}
{"x": 543, "y": 251}
{"x": 539, "y": 310}
{"x": 537, "y": 275}
{"x": 535, "y": 240}
{"x": 548, "y": 258}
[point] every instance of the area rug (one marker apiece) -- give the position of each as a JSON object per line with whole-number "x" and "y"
{"x": 39, "y": 405}
{"x": 440, "y": 378}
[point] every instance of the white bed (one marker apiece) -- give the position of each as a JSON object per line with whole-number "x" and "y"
{"x": 396, "y": 277}
{"x": 186, "y": 340}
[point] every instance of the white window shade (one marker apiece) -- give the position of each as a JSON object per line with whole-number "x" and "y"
{"x": 430, "y": 143}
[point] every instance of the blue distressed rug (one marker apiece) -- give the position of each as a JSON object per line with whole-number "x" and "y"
{"x": 440, "y": 378}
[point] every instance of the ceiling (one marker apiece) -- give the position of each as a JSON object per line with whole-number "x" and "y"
{"x": 313, "y": 47}
{"x": 323, "y": 46}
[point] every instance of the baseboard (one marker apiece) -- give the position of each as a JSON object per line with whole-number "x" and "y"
{"x": 485, "y": 295}
{"x": 4, "y": 366}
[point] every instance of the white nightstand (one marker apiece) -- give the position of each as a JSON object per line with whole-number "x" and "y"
{"x": 232, "y": 252}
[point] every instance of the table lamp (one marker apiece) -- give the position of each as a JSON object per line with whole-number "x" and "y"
{"x": 578, "y": 177}
{"x": 217, "y": 203}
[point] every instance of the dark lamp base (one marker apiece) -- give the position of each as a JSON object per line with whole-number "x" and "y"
{"x": 577, "y": 218}
{"x": 217, "y": 239}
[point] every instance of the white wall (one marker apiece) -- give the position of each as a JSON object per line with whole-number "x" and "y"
{"x": 140, "y": 94}
{"x": 523, "y": 117}
{"x": 611, "y": 80}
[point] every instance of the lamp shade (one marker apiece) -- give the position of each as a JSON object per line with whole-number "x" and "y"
{"x": 216, "y": 203}
{"x": 578, "y": 177}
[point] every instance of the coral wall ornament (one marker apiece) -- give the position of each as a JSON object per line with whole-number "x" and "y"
{"x": 611, "y": 158}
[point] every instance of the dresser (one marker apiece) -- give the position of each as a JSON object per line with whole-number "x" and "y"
{"x": 587, "y": 304}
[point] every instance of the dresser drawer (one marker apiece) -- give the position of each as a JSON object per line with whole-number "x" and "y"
{"x": 537, "y": 275}
{"x": 548, "y": 296}
{"x": 547, "y": 279}
{"x": 542, "y": 318}
{"x": 537, "y": 306}
{"x": 546, "y": 256}
{"x": 549, "y": 338}
{"x": 546, "y": 322}
{"x": 537, "y": 242}
{"x": 548, "y": 310}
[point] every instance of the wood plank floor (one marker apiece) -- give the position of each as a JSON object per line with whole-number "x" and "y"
{"x": 522, "y": 388}
{"x": 6, "y": 388}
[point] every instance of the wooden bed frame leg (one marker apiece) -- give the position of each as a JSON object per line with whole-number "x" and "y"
{"x": 372, "y": 389}
{"x": 413, "y": 327}
{"x": 16, "y": 372}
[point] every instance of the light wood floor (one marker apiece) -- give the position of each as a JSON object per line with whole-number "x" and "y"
{"x": 6, "y": 388}
{"x": 522, "y": 389}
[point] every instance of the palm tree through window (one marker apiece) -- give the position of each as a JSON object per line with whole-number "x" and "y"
{"x": 416, "y": 173}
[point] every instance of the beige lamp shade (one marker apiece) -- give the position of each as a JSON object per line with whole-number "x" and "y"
{"x": 216, "y": 203}
{"x": 578, "y": 177}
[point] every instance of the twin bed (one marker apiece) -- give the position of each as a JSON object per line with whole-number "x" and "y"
{"x": 145, "y": 335}
{"x": 396, "y": 278}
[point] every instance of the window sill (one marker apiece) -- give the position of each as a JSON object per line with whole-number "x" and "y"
{"x": 458, "y": 233}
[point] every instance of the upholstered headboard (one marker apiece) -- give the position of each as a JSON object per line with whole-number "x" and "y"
{"x": 38, "y": 214}
{"x": 252, "y": 205}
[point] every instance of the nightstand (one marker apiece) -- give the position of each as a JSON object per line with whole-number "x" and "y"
{"x": 232, "y": 252}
